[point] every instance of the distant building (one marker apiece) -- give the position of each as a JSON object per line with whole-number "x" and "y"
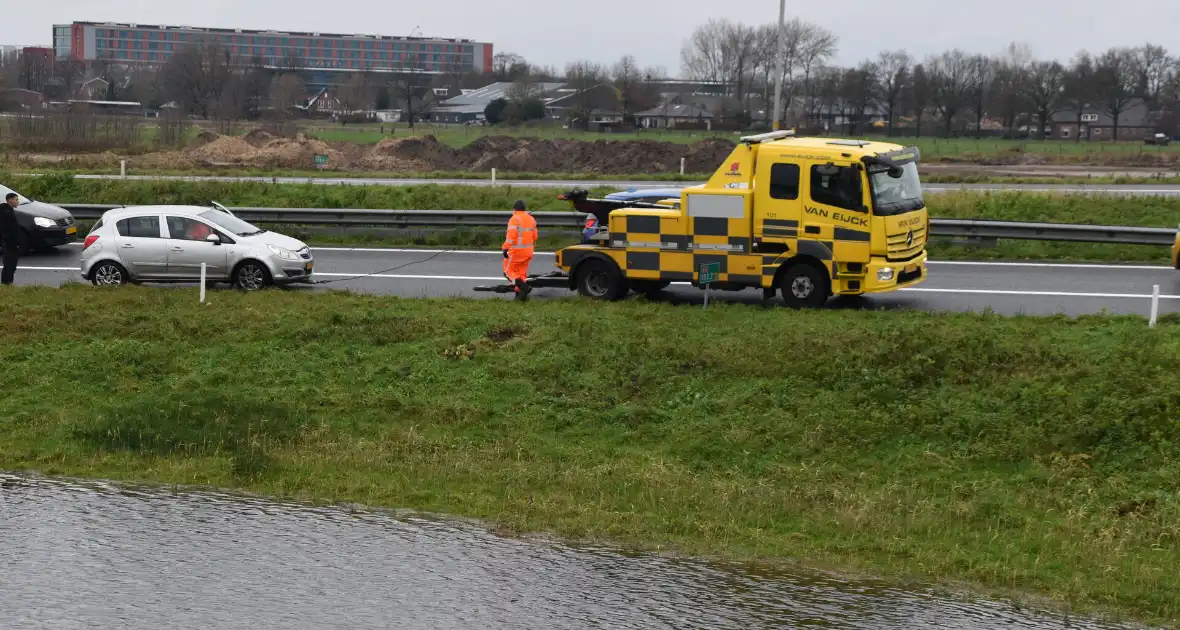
{"x": 1135, "y": 123}
{"x": 329, "y": 58}
{"x": 471, "y": 104}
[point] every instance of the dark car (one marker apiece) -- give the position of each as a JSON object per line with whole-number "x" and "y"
{"x": 42, "y": 226}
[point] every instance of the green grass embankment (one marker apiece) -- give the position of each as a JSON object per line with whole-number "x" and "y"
{"x": 1027, "y": 454}
{"x": 1051, "y": 208}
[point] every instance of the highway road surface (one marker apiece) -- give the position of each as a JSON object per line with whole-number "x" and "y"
{"x": 1007, "y": 288}
{"x": 1136, "y": 190}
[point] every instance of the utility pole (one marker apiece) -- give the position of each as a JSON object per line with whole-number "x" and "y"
{"x": 782, "y": 54}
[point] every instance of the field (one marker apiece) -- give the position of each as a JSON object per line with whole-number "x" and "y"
{"x": 1014, "y": 454}
{"x": 371, "y": 149}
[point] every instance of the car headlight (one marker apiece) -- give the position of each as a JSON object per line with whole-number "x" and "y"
{"x": 885, "y": 275}
{"x": 283, "y": 252}
{"x": 44, "y": 222}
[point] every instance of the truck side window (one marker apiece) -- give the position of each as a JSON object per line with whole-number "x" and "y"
{"x": 784, "y": 181}
{"x": 836, "y": 186}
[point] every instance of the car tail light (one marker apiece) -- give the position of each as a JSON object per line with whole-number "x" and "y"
{"x": 89, "y": 241}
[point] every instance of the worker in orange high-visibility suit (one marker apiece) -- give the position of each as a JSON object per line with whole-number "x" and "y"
{"x": 518, "y": 248}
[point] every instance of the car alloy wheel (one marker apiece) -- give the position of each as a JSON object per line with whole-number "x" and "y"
{"x": 109, "y": 275}
{"x": 252, "y": 277}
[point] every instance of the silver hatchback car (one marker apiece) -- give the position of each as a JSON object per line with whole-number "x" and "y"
{"x": 169, "y": 243}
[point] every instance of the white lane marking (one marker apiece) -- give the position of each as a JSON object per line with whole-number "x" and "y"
{"x": 962, "y": 263}
{"x": 1048, "y": 265}
{"x": 361, "y": 276}
{"x": 1146, "y": 296}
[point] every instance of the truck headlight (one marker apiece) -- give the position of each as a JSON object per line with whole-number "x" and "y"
{"x": 44, "y": 222}
{"x": 885, "y": 275}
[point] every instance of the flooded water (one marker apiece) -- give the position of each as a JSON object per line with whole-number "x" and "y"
{"x": 93, "y": 555}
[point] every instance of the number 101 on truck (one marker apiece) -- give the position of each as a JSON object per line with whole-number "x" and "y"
{"x": 806, "y": 218}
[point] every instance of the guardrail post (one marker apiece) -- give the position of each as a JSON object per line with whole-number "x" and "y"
{"x": 1155, "y": 306}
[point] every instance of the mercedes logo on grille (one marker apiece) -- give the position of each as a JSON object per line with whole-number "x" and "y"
{"x": 909, "y": 238}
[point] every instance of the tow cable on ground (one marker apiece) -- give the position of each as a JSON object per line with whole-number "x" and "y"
{"x": 409, "y": 264}
{"x": 385, "y": 271}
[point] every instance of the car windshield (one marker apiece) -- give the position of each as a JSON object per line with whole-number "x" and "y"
{"x": 5, "y": 191}
{"x": 897, "y": 195}
{"x": 231, "y": 224}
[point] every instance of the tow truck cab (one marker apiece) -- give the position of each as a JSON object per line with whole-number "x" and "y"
{"x": 810, "y": 217}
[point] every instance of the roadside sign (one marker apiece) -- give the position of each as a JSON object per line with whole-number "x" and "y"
{"x": 321, "y": 160}
{"x": 708, "y": 275}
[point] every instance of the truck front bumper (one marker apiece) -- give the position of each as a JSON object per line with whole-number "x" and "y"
{"x": 883, "y": 275}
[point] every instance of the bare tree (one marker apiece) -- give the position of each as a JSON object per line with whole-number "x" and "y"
{"x": 1009, "y": 98}
{"x": 1045, "y": 91}
{"x": 1156, "y": 72}
{"x": 356, "y": 95}
{"x": 1079, "y": 89}
{"x": 816, "y": 46}
{"x": 584, "y": 77}
{"x": 286, "y": 92}
{"x": 631, "y": 87}
{"x": 950, "y": 77}
{"x": 1116, "y": 83}
{"x": 34, "y": 71}
{"x": 893, "y": 68}
{"x": 197, "y": 77}
{"x": 981, "y": 77}
{"x": 859, "y": 92}
{"x": 507, "y": 66}
{"x": 918, "y": 95}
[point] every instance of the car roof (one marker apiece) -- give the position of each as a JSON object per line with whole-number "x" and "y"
{"x": 137, "y": 210}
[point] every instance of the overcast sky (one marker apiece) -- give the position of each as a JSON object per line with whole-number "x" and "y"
{"x": 552, "y": 32}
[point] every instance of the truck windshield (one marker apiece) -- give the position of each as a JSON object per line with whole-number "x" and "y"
{"x": 897, "y": 195}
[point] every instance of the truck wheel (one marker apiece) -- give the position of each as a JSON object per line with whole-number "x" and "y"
{"x": 649, "y": 287}
{"x": 804, "y": 286}
{"x": 600, "y": 280}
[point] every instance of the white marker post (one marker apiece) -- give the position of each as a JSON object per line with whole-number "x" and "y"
{"x": 1155, "y": 306}
{"x": 123, "y": 169}
{"x": 682, "y": 166}
{"x": 493, "y": 177}
{"x": 202, "y": 283}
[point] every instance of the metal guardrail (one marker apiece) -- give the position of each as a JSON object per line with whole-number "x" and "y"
{"x": 953, "y": 228}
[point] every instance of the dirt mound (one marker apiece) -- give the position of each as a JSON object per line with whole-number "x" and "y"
{"x": 534, "y": 155}
{"x": 417, "y": 153}
{"x": 205, "y": 137}
{"x": 258, "y": 138}
{"x": 259, "y": 149}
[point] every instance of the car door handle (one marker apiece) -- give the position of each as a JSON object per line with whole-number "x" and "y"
{"x": 128, "y": 246}
{"x": 178, "y": 249}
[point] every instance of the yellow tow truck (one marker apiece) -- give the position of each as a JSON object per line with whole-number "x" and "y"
{"x": 805, "y": 217}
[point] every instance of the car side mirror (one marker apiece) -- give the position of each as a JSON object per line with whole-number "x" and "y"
{"x": 213, "y": 238}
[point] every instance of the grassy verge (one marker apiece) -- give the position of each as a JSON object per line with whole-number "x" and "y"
{"x": 1012, "y": 453}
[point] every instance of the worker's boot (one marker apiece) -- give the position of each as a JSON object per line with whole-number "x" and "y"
{"x": 522, "y": 290}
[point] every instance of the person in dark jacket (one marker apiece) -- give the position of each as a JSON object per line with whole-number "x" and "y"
{"x": 9, "y": 236}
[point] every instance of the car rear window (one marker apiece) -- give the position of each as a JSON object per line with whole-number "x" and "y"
{"x": 139, "y": 227}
